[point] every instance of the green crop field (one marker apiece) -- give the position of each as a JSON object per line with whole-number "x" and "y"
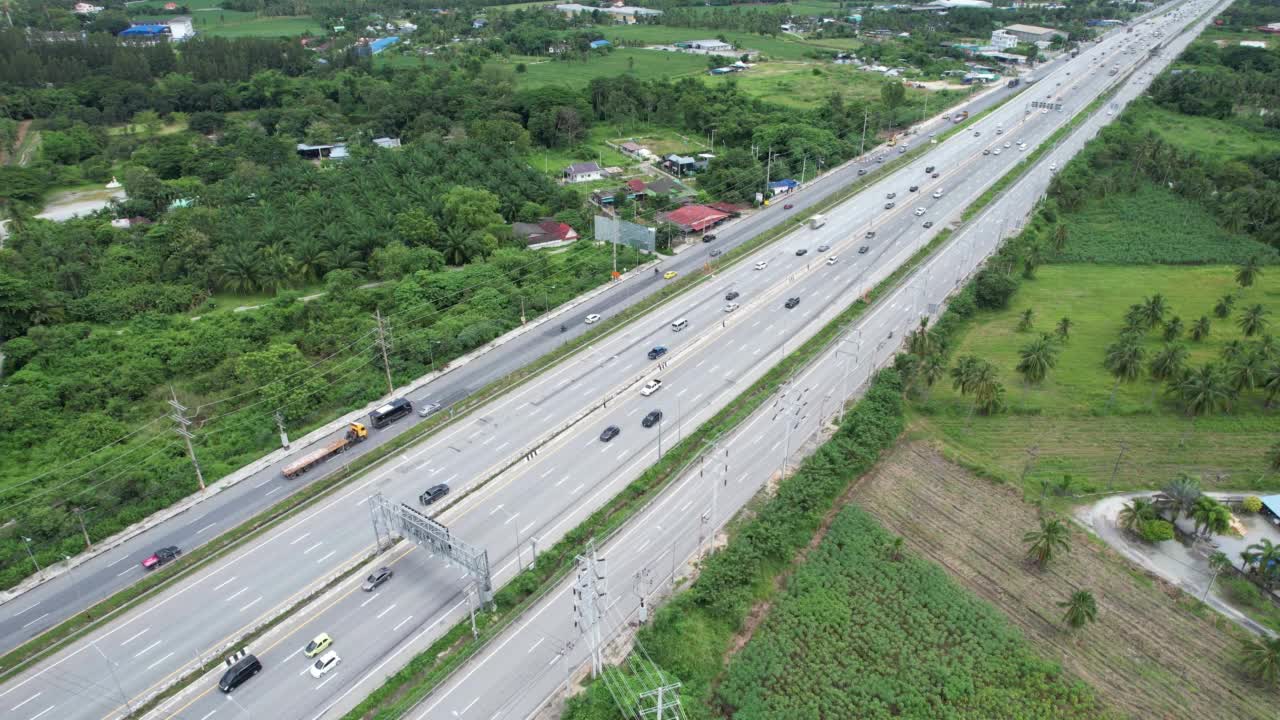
{"x": 233, "y": 23}
{"x": 1153, "y": 225}
{"x": 644, "y": 64}
{"x": 780, "y": 48}
{"x": 795, "y": 85}
{"x": 1068, "y": 424}
{"x": 860, "y": 634}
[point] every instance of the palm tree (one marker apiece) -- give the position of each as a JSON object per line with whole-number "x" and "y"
{"x": 895, "y": 548}
{"x": 1052, "y": 537}
{"x": 1153, "y": 309}
{"x": 1260, "y": 658}
{"x": 1271, "y": 383}
{"x": 1173, "y": 329}
{"x": 988, "y": 392}
{"x": 1081, "y": 609}
{"x": 963, "y": 373}
{"x": 311, "y": 257}
{"x": 1136, "y": 512}
{"x": 1268, "y": 349}
{"x": 1064, "y": 329}
{"x": 1254, "y": 320}
{"x": 1037, "y": 358}
{"x": 1025, "y": 321}
{"x": 1246, "y": 373}
{"x": 1205, "y": 390}
{"x": 931, "y": 370}
{"x": 1124, "y": 360}
{"x": 1169, "y": 363}
{"x": 276, "y": 268}
{"x": 1060, "y": 235}
{"x": 920, "y": 343}
{"x": 1200, "y": 328}
{"x": 1183, "y": 492}
{"x": 1249, "y": 271}
{"x": 1262, "y": 557}
{"x": 1232, "y": 350}
{"x": 237, "y": 267}
{"x": 1211, "y": 517}
{"x": 1223, "y": 307}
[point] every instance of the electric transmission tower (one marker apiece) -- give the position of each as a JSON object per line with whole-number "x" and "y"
{"x": 589, "y": 593}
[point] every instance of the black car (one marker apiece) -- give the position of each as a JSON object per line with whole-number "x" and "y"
{"x": 610, "y": 433}
{"x": 657, "y": 351}
{"x": 870, "y": 234}
{"x": 715, "y": 252}
{"x": 653, "y": 418}
{"x": 928, "y": 223}
{"x": 861, "y": 172}
{"x": 863, "y": 250}
{"x": 888, "y": 206}
{"x": 929, "y": 169}
{"x": 792, "y": 302}
{"x": 914, "y": 188}
{"x": 378, "y": 577}
{"x": 731, "y": 295}
{"x": 708, "y": 237}
{"x": 433, "y": 494}
{"x": 801, "y": 251}
{"x": 245, "y": 668}
{"x": 934, "y": 175}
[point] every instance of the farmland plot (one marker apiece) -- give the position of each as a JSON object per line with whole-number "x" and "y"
{"x": 1149, "y": 655}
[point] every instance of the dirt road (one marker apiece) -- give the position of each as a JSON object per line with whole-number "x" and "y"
{"x": 1153, "y": 652}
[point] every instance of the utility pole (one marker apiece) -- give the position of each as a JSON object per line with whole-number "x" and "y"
{"x": 382, "y": 343}
{"x": 768, "y": 170}
{"x": 26, "y": 542}
{"x": 179, "y": 416}
{"x": 1116, "y": 468}
{"x": 589, "y": 603}
{"x": 284, "y": 434}
{"x": 866, "y": 115}
{"x": 79, "y": 511}
{"x": 804, "y": 165}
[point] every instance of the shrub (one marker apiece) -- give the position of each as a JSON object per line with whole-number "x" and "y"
{"x": 1154, "y": 531}
{"x": 1251, "y": 504}
{"x": 993, "y": 289}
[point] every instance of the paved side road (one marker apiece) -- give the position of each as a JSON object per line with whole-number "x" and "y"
{"x": 25, "y": 614}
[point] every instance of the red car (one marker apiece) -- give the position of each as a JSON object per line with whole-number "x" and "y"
{"x": 160, "y": 557}
{"x": 788, "y": 206}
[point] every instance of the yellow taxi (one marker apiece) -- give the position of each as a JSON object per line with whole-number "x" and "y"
{"x": 318, "y": 645}
{"x": 669, "y": 275}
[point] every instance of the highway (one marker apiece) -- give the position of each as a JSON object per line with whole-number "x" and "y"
{"x": 708, "y": 364}
{"x": 42, "y": 607}
{"x": 718, "y": 355}
{"x": 537, "y": 657}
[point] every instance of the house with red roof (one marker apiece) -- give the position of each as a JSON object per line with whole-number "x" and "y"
{"x": 694, "y": 218}
{"x": 545, "y": 233}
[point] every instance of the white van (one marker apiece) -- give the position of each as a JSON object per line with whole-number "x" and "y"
{"x": 679, "y": 325}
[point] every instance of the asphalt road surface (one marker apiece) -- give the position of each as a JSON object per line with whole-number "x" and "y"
{"x": 707, "y": 366}
{"x": 46, "y": 605}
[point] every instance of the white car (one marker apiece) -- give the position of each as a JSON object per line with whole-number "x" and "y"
{"x": 996, "y": 151}
{"x": 833, "y": 260}
{"x": 591, "y": 319}
{"x": 651, "y": 387}
{"x": 1053, "y": 167}
{"x": 762, "y": 265}
{"x": 730, "y": 307}
{"x": 919, "y": 211}
{"x": 937, "y": 194}
{"x": 327, "y": 662}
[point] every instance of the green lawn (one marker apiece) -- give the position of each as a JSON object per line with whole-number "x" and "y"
{"x": 208, "y": 18}
{"x": 644, "y": 64}
{"x": 780, "y": 47}
{"x": 1068, "y": 420}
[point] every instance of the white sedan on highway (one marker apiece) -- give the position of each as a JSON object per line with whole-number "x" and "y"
{"x": 591, "y": 319}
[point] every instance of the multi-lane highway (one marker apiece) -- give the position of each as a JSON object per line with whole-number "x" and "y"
{"x": 708, "y": 363}
{"x": 537, "y": 656}
{"x": 49, "y": 603}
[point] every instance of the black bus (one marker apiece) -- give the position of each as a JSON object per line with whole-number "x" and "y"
{"x": 390, "y": 412}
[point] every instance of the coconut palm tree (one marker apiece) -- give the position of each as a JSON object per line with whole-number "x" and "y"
{"x": 1135, "y": 512}
{"x": 1063, "y": 330}
{"x": 932, "y": 369}
{"x": 1271, "y": 383}
{"x": 1153, "y": 310}
{"x": 1173, "y": 329}
{"x": 1254, "y": 320}
{"x": 237, "y": 267}
{"x": 1182, "y": 492}
{"x": 988, "y": 392}
{"x": 1232, "y": 350}
{"x": 1052, "y": 537}
{"x": 1260, "y": 658}
{"x": 1205, "y": 390}
{"x": 920, "y": 342}
{"x": 1210, "y": 516}
{"x": 1169, "y": 363}
{"x": 1262, "y": 557}
{"x": 962, "y": 375}
{"x": 1026, "y": 319}
{"x": 1249, "y": 271}
{"x": 1223, "y": 307}
{"x": 1268, "y": 349}
{"x": 1200, "y": 328}
{"x": 1036, "y": 359}
{"x": 1080, "y": 609}
{"x": 1124, "y": 361}
{"x": 1246, "y": 373}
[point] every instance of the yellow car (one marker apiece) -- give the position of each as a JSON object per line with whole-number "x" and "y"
{"x": 670, "y": 274}
{"x": 318, "y": 645}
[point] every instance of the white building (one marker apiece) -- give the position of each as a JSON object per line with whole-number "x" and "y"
{"x": 624, "y": 13}
{"x": 84, "y": 8}
{"x": 1002, "y": 40}
{"x": 180, "y": 28}
{"x": 710, "y": 46}
{"x": 583, "y": 172}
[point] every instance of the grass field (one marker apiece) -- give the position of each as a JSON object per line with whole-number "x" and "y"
{"x": 778, "y": 48}
{"x": 1152, "y": 225}
{"x": 794, "y": 84}
{"x": 1217, "y": 139}
{"x": 1153, "y": 652}
{"x": 208, "y": 18}
{"x": 643, "y": 64}
{"x": 1067, "y": 420}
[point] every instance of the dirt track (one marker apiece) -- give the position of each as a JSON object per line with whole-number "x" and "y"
{"x": 1148, "y": 655}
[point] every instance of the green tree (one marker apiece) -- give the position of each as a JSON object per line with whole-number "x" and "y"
{"x": 1205, "y": 390}
{"x": 1182, "y": 492}
{"x": 1254, "y": 320}
{"x": 932, "y": 369}
{"x": 1249, "y": 272}
{"x": 1060, "y": 236}
{"x": 1079, "y": 610}
{"x": 892, "y": 94}
{"x": 1262, "y": 558}
{"x": 1124, "y": 362}
{"x": 1210, "y": 516}
{"x": 1260, "y": 658}
{"x": 1153, "y": 310}
{"x": 1168, "y": 364}
{"x": 1043, "y": 544}
{"x": 1173, "y": 329}
{"x": 1063, "y": 330}
{"x": 1200, "y": 328}
{"x": 1134, "y": 513}
{"x": 1222, "y": 308}
{"x": 1036, "y": 359}
{"x": 1026, "y": 319}
{"x": 237, "y": 267}
{"x": 1246, "y": 373}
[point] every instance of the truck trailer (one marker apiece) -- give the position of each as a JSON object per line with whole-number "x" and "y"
{"x": 355, "y": 434}
{"x": 817, "y": 221}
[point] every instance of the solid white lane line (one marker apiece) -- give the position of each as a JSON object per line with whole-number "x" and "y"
{"x": 135, "y": 636}
{"x": 33, "y": 622}
{"x": 531, "y": 649}
{"x": 313, "y": 547}
{"x": 238, "y": 593}
{"x": 224, "y": 582}
{"x": 251, "y": 603}
{"x": 371, "y": 599}
{"x": 145, "y": 649}
{"x": 24, "y": 702}
{"x": 326, "y": 557}
{"x": 402, "y": 622}
{"x": 384, "y": 612}
{"x": 166, "y": 657}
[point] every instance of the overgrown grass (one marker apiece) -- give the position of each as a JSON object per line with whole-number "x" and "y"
{"x": 640, "y": 63}
{"x": 780, "y": 47}
{"x": 1215, "y": 139}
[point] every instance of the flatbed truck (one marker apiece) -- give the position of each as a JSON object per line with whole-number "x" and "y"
{"x": 356, "y": 433}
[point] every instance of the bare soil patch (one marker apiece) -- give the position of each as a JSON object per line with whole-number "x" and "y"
{"x": 1151, "y": 653}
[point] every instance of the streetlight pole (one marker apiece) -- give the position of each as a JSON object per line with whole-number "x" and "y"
{"x": 27, "y": 544}
{"x": 112, "y": 668}
{"x": 511, "y": 517}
